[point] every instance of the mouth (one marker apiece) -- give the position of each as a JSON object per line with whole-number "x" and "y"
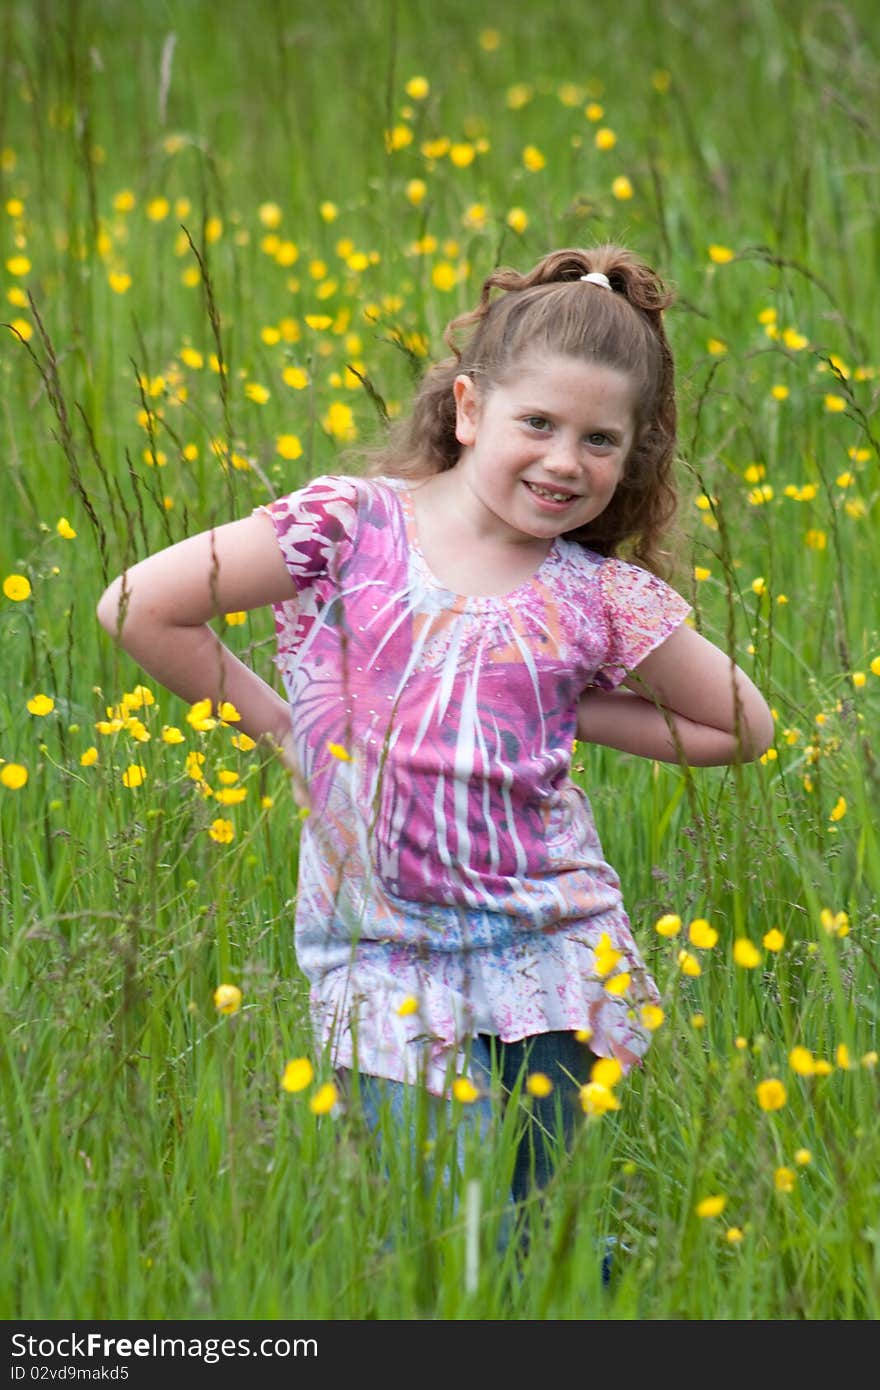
{"x": 557, "y": 498}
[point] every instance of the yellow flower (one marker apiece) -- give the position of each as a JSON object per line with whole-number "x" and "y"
{"x": 89, "y": 757}
{"x": 257, "y": 393}
{"x": 227, "y": 713}
{"x": 444, "y": 276}
{"x": 339, "y": 421}
{"x": 243, "y": 742}
{"x": 773, "y": 940}
{"x": 597, "y": 1099}
{"x": 746, "y": 953}
{"x": 689, "y": 965}
{"x": 235, "y": 619}
{"x": 605, "y": 138}
{"x": 398, "y": 137}
{"x": 834, "y": 923}
{"x": 698, "y": 1021}
{"x": 64, "y": 529}
{"x": 22, "y": 328}
{"x": 408, "y": 1006}
{"x": 757, "y": 496}
{"x": 784, "y": 1179}
{"x": 227, "y": 999}
{"x": 269, "y": 214}
{"x": 490, "y": 40}
{"x": 13, "y": 776}
{"x": 230, "y": 796}
{"x": 701, "y": 934}
{"x": 835, "y": 404}
{"x": 794, "y": 340}
{"x": 417, "y": 88}
{"x": 619, "y": 984}
{"x": 324, "y": 1099}
{"x": 716, "y": 347}
{"x": 296, "y": 377}
{"x": 771, "y": 1094}
{"x": 593, "y": 111}
{"x": 780, "y": 393}
{"x": 842, "y": 1057}
{"x": 464, "y": 1090}
{"x": 119, "y": 281}
{"x": 194, "y": 762}
{"x": 583, "y": 1035}
{"x": 41, "y": 704}
{"x": 701, "y": 573}
{"x": 733, "y": 1235}
{"x": 223, "y": 831}
{"x": 337, "y": 751}
{"x": 318, "y": 321}
{"x": 532, "y": 158}
{"x": 329, "y": 211}
{"x": 158, "y": 209}
{"x": 18, "y": 265}
{"x": 668, "y": 925}
{"x": 538, "y": 1084}
{"x": 16, "y": 587}
{"x": 605, "y": 956}
{"x": 416, "y": 190}
{"x": 721, "y": 254}
{"x": 606, "y": 1071}
{"x": 711, "y": 1206}
{"x": 621, "y": 187}
{"x": 199, "y": 716}
{"x": 651, "y": 1016}
{"x": 839, "y": 810}
{"x": 297, "y": 1075}
{"x": 517, "y": 219}
{"x": 816, "y": 539}
{"x": 134, "y": 775}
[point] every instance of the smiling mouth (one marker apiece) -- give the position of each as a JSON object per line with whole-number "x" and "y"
{"x": 550, "y": 494}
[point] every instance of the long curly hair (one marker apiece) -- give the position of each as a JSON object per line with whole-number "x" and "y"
{"x": 551, "y": 309}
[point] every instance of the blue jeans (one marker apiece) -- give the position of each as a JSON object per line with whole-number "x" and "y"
{"x": 547, "y": 1123}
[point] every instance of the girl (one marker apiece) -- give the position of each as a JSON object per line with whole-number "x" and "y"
{"x": 446, "y": 627}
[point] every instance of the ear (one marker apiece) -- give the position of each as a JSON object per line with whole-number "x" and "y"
{"x": 467, "y": 409}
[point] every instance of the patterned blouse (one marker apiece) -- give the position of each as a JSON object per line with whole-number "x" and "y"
{"x": 451, "y": 879}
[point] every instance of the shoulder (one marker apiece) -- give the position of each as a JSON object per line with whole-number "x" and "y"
{"x": 627, "y": 587}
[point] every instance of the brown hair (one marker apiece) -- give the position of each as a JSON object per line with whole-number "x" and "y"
{"x": 551, "y": 310}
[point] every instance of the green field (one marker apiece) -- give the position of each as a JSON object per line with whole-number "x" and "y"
{"x": 231, "y": 243}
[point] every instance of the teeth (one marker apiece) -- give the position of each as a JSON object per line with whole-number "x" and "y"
{"x": 554, "y": 496}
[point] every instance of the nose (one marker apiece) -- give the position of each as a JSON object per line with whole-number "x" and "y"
{"x": 563, "y": 459}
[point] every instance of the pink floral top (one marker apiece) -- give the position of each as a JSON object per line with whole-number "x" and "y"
{"x": 451, "y": 879}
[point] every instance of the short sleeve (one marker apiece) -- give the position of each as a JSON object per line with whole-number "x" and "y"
{"x": 315, "y": 527}
{"x": 641, "y": 611}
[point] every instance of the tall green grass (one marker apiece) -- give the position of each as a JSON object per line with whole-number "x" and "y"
{"x": 151, "y": 1165}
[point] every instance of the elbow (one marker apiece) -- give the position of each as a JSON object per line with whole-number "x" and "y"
{"x": 756, "y": 733}
{"x": 110, "y": 608}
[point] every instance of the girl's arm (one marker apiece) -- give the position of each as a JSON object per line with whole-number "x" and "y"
{"x": 159, "y": 612}
{"x": 717, "y": 713}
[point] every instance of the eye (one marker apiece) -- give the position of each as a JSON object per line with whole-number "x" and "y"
{"x": 601, "y": 441}
{"x": 537, "y": 422}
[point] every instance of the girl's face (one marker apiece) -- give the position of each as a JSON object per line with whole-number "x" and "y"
{"x": 543, "y": 453}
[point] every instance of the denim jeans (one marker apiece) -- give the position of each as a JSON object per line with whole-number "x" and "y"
{"x": 547, "y": 1122}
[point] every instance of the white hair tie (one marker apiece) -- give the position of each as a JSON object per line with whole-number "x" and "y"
{"x": 597, "y": 278}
